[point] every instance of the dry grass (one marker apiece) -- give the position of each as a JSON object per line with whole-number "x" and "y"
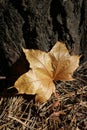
{"x": 18, "y": 113}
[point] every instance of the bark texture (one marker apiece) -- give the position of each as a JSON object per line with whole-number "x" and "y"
{"x": 39, "y": 24}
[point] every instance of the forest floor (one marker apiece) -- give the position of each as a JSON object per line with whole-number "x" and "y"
{"x": 20, "y": 113}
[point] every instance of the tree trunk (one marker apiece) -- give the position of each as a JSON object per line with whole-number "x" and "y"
{"x": 38, "y": 24}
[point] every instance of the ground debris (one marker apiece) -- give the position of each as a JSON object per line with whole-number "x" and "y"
{"x": 20, "y": 113}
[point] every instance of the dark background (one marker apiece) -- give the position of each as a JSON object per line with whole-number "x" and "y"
{"x": 38, "y": 24}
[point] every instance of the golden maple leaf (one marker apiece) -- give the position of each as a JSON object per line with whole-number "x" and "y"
{"x": 55, "y": 65}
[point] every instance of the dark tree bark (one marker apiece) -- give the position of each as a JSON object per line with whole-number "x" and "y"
{"x": 39, "y": 24}
{"x": 11, "y": 36}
